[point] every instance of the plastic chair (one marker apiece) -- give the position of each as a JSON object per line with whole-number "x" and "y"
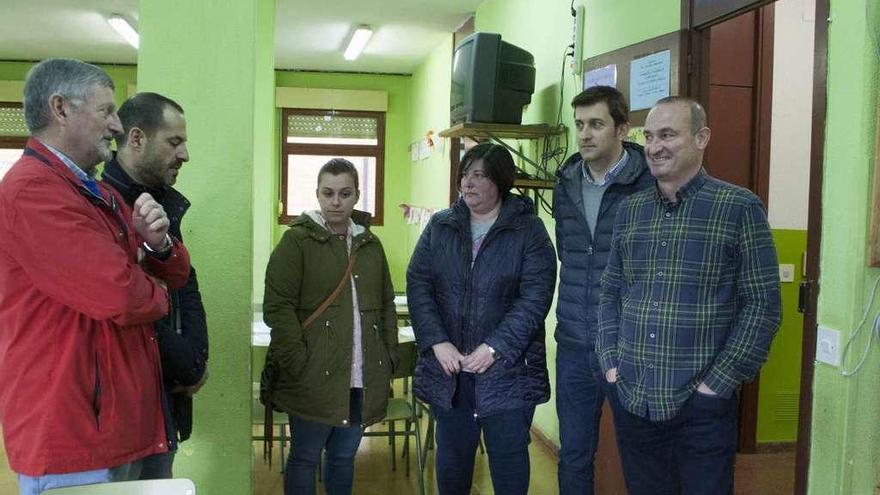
{"x": 180, "y": 486}
{"x": 404, "y": 409}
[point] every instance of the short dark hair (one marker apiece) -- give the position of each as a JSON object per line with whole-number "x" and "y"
{"x": 614, "y": 99}
{"x": 339, "y": 166}
{"x": 698, "y": 114}
{"x": 497, "y": 164}
{"x": 146, "y": 112}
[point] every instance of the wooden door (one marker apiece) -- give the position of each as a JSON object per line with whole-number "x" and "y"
{"x": 737, "y": 98}
{"x": 734, "y": 84}
{"x": 607, "y": 468}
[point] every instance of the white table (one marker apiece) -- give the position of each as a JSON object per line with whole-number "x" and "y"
{"x": 261, "y": 334}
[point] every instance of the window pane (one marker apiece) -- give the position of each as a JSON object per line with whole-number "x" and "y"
{"x": 326, "y": 140}
{"x": 318, "y": 128}
{"x": 302, "y": 181}
{"x": 7, "y": 158}
{"x": 12, "y": 122}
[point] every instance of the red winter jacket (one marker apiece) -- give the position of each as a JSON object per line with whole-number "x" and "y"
{"x": 80, "y": 380}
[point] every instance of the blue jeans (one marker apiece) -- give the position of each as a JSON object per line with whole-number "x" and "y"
{"x": 692, "y": 453}
{"x": 579, "y": 398}
{"x": 35, "y": 485}
{"x": 157, "y": 466}
{"x": 507, "y": 443}
{"x": 340, "y": 446}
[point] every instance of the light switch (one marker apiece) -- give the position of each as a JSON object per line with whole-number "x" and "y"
{"x": 828, "y": 346}
{"x": 786, "y": 272}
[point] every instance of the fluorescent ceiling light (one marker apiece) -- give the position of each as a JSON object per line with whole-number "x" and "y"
{"x": 358, "y": 41}
{"x": 124, "y": 29}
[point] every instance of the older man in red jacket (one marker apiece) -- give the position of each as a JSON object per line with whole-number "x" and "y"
{"x": 82, "y": 279}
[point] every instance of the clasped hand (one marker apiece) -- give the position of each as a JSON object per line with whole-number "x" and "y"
{"x": 150, "y": 221}
{"x": 452, "y": 361}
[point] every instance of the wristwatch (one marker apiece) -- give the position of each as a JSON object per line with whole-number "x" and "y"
{"x": 493, "y": 352}
{"x": 166, "y": 247}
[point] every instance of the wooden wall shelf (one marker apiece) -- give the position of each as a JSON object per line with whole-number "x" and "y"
{"x": 534, "y": 184}
{"x": 497, "y": 133}
{"x": 478, "y": 130}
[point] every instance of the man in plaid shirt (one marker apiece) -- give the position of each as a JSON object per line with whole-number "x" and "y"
{"x": 688, "y": 309}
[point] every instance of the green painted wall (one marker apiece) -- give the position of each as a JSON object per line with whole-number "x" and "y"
{"x": 266, "y": 164}
{"x": 397, "y": 165}
{"x": 231, "y": 61}
{"x": 614, "y": 24}
{"x": 780, "y": 377}
{"x": 429, "y": 104}
{"x": 122, "y": 75}
{"x": 846, "y": 411}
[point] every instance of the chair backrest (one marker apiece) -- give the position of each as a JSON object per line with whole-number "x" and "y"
{"x": 180, "y": 486}
{"x": 407, "y": 366}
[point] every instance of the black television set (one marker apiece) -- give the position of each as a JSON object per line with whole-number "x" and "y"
{"x": 492, "y": 80}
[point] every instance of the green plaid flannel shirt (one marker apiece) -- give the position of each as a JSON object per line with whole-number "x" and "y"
{"x": 690, "y": 295}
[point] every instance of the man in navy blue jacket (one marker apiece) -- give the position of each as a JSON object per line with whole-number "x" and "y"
{"x": 590, "y": 187}
{"x": 151, "y": 152}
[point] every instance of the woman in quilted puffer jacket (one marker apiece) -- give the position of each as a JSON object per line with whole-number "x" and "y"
{"x": 479, "y": 286}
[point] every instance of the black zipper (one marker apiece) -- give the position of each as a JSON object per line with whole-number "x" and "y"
{"x": 493, "y": 232}
{"x": 96, "y": 395}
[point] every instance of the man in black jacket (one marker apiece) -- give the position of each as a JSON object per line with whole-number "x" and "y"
{"x": 151, "y": 153}
{"x": 590, "y": 187}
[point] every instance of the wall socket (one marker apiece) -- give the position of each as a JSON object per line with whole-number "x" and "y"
{"x": 786, "y": 272}
{"x": 828, "y": 346}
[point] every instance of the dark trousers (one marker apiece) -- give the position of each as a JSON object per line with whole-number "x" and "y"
{"x": 579, "y": 398}
{"x": 690, "y": 454}
{"x": 339, "y": 445}
{"x": 506, "y": 435}
{"x": 157, "y": 466}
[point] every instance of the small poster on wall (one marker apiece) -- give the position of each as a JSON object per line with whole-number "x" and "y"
{"x": 414, "y": 151}
{"x": 649, "y": 80}
{"x": 603, "y": 76}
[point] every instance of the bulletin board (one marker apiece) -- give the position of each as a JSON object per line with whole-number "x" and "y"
{"x": 621, "y": 60}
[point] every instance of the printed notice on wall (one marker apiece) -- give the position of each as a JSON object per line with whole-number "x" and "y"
{"x": 648, "y": 80}
{"x": 603, "y": 76}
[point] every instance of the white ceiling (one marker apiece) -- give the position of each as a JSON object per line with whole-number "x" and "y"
{"x": 309, "y": 34}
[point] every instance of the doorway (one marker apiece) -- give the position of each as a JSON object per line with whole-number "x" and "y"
{"x": 732, "y": 48}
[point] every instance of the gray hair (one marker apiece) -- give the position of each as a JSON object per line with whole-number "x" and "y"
{"x": 698, "y": 114}
{"x": 67, "y": 77}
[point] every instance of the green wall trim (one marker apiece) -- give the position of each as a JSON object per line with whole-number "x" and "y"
{"x": 333, "y": 99}
{"x": 779, "y": 387}
{"x": 11, "y": 91}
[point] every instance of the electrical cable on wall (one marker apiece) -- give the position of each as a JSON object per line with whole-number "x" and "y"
{"x": 858, "y": 329}
{"x": 555, "y": 147}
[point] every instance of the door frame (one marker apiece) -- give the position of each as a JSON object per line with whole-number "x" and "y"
{"x": 714, "y": 11}
{"x": 814, "y": 240}
{"x": 710, "y": 14}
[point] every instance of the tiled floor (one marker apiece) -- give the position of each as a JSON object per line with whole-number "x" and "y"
{"x": 373, "y": 474}
{"x": 758, "y": 474}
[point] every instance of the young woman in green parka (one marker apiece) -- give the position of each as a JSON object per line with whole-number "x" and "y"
{"x": 334, "y": 372}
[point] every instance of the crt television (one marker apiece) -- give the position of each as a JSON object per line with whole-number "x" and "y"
{"x": 491, "y": 80}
